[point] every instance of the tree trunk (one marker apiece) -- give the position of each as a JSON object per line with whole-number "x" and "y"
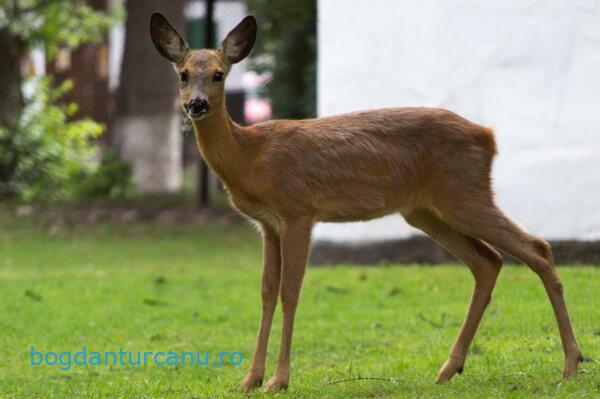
{"x": 10, "y": 78}
{"x": 146, "y": 127}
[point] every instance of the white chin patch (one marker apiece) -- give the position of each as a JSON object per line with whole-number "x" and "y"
{"x": 196, "y": 117}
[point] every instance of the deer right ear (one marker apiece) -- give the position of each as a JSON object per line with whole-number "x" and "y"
{"x": 166, "y": 39}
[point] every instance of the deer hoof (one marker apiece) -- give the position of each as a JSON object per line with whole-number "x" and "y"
{"x": 448, "y": 370}
{"x": 250, "y": 382}
{"x": 276, "y": 384}
{"x": 571, "y": 364}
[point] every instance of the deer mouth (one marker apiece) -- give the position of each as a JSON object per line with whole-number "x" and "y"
{"x": 197, "y": 114}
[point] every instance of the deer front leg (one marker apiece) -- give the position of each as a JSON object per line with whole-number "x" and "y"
{"x": 295, "y": 242}
{"x": 270, "y": 287}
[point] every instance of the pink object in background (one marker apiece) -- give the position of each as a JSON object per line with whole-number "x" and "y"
{"x": 257, "y": 110}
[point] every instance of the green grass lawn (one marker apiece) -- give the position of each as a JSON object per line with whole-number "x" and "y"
{"x": 156, "y": 287}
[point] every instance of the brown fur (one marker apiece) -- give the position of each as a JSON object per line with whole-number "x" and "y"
{"x": 350, "y": 167}
{"x": 430, "y": 165}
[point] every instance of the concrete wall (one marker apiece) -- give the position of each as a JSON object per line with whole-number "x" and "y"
{"x": 528, "y": 68}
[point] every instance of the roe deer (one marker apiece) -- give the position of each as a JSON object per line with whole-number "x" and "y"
{"x": 430, "y": 165}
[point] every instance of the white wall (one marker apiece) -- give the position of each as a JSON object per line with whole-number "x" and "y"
{"x": 528, "y": 68}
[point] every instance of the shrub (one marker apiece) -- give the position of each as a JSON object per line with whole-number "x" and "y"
{"x": 45, "y": 156}
{"x": 110, "y": 179}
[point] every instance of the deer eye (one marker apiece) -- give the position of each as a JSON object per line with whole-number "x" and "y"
{"x": 183, "y": 77}
{"x": 218, "y": 76}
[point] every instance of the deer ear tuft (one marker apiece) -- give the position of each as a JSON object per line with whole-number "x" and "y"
{"x": 166, "y": 39}
{"x": 239, "y": 41}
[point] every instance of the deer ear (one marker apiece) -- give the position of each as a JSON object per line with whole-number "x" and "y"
{"x": 239, "y": 41}
{"x": 166, "y": 39}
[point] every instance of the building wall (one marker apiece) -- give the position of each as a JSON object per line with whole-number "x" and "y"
{"x": 529, "y": 69}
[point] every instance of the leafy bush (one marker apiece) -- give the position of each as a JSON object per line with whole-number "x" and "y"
{"x": 111, "y": 178}
{"x": 46, "y": 156}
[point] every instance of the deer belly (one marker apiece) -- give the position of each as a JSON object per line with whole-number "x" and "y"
{"x": 357, "y": 208}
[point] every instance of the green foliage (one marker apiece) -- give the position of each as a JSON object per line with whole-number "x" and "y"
{"x": 54, "y": 23}
{"x": 287, "y": 47}
{"x": 111, "y": 178}
{"x": 46, "y": 156}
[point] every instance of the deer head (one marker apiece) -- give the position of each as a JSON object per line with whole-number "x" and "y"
{"x": 202, "y": 73}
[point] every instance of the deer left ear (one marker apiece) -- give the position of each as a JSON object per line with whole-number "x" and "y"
{"x": 239, "y": 41}
{"x": 166, "y": 39}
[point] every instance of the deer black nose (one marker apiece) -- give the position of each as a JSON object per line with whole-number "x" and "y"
{"x": 198, "y": 106}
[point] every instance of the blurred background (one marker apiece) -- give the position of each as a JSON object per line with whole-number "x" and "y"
{"x": 91, "y": 112}
{"x": 90, "y": 116}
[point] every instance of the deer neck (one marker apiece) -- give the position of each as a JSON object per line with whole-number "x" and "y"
{"x": 219, "y": 141}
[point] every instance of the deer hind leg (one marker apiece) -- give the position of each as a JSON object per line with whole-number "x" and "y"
{"x": 488, "y": 223}
{"x": 484, "y": 263}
